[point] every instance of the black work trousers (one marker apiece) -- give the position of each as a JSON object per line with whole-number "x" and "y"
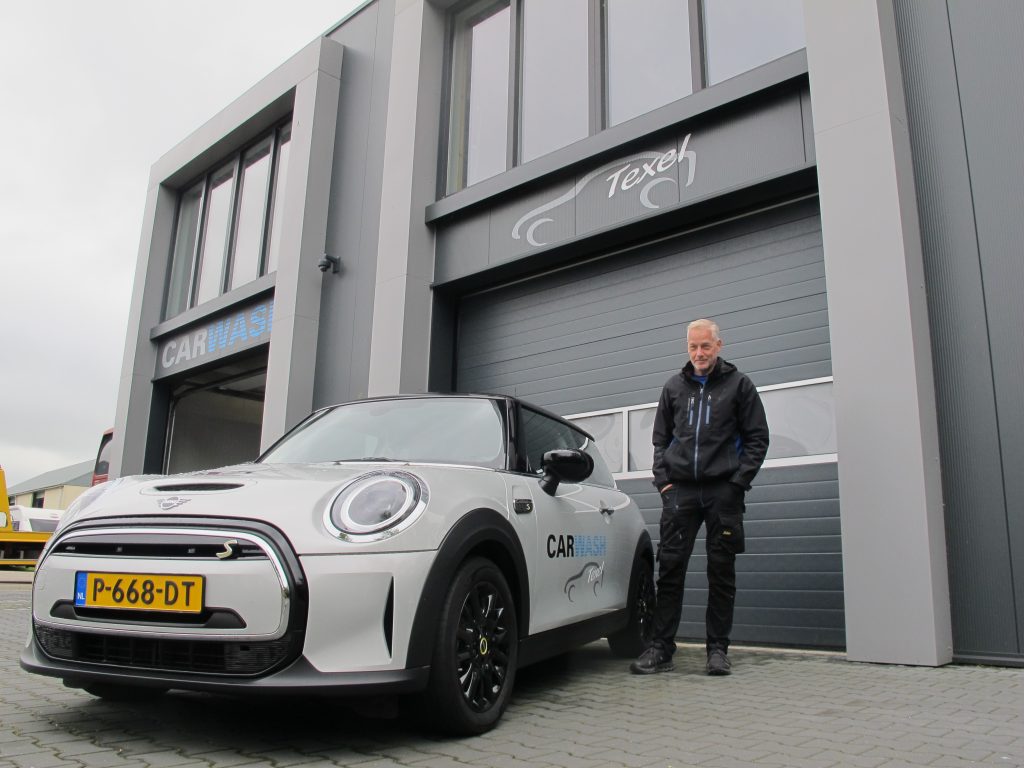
{"x": 684, "y": 507}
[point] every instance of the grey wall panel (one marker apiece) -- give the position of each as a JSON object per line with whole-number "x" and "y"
{"x": 346, "y": 314}
{"x": 990, "y": 70}
{"x": 767, "y": 140}
{"x": 981, "y": 567}
{"x": 466, "y": 246}
{"x": 789, "y": 583}
{"x": 609, "y": 332}
{"x": 724, "y": 152}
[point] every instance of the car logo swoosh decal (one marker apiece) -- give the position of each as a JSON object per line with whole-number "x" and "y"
{"x": 173, "y": 501}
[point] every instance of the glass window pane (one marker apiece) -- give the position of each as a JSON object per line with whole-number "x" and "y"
{"x": 218, "y": 215}
{"x": 487, "y": 144}
{"x": 802, "y": 421}
{"x": 648, "y": 50}
{"x": 542, "y": 434}
{"x": 184, "y": 252}
{"x": 277, "y": 198}
{"x": 743, "y": 34}
{"x": 607, "y": 431}
{"x": 442, "y": 430}
{"x": 245, "y": 266}
{"x": 555, "y": 109}
{"x": 641, "y": 445}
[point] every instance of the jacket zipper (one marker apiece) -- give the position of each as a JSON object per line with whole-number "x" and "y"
{"x": 696, "y": 436}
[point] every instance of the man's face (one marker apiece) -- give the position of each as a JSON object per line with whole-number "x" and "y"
{"x": 703, "y": 349}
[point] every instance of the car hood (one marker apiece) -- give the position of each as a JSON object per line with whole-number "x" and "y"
{"x": 294, "y": 498}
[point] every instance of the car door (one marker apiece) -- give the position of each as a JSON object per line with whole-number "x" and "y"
{"x": 576, "y": 538}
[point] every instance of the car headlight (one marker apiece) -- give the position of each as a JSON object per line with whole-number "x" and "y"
{"x": 376, "y": 505}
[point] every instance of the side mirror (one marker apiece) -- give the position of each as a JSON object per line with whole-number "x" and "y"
{"x": 567, "y": 465}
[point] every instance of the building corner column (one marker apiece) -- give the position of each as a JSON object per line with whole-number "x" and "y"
{"x": 291, "y": 363}
{"x": 400, "y": 341}
{"x": 896, "y": 586}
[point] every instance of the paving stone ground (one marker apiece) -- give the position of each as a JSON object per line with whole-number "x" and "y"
{"x": 781, "y": 709}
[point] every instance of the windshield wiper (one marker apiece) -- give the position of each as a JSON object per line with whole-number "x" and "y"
{"x": 365, "y": 458}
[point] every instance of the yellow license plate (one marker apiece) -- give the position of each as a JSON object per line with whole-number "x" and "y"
{"x": 139, "y": 591}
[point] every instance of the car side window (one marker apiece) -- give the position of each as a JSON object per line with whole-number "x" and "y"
{"x": 542, "y": 434}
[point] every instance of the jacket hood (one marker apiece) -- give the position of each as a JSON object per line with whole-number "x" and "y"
{"x": 722, "y": 367}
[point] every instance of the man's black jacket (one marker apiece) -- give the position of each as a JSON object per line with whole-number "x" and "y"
{"x": 714, "y": 431}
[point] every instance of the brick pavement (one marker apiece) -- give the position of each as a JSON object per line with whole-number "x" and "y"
{"x": 782, "y": 709}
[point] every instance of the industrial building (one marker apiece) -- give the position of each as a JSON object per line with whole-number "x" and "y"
{"x": 534, "y": 198}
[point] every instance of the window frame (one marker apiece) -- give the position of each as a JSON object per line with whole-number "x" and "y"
{"x": 644, "y": 474}
{"x": 452, "y": 159}
{"x": 196, "y": 250}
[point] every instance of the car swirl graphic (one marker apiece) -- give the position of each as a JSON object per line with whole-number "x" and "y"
{"x": 625, "y": 177}
{"x": 592, "y": 573}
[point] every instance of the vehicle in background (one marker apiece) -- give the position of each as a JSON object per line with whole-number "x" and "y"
{"x": 101, "y": 472}
{"x": 34, "y": 519}
{"x": 17, "y": 545}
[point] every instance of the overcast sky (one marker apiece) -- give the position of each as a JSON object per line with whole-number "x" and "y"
{"x": 93, "y": 93}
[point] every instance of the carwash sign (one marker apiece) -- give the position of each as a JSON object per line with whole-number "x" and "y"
{"x": 221, "y": 336}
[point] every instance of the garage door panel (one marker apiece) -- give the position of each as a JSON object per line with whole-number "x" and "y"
{"x": 609, "y": 332}
{"x": 569, "y": 339}
{"x": 509, "y": 320}
{"x": 707, "y": 263}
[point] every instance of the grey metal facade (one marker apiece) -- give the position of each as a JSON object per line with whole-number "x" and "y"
{"x": 964, "y": 73}
{"x": 606, "y": 333}
{"x": 781, "y": 202}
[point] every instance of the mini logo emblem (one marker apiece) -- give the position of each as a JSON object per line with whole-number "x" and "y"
{"x": 229, "y": 551}
{"x": 171, "y": 502}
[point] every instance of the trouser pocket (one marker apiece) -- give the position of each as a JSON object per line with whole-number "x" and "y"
{"x": 730, "y": 532}
{"x": 671, "y": 529}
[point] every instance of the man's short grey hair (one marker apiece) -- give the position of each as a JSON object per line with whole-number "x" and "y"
{"x": 703, "y": 324}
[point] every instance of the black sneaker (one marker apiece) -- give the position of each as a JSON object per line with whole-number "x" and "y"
{"x": 650, "y": 661}
{"x": 718, "y": 662}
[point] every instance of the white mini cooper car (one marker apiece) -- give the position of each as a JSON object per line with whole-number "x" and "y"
{"x": 424, "y": 545}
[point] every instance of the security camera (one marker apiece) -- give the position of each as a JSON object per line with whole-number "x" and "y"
{"x": 328, "y": 262}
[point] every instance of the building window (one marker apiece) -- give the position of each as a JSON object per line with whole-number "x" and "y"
{"x": 528, "y": 77}
{"x": 227, "y": 228}
{"x": 740, "y": 35}
{"x": 479, "y": 124}
{"x": 801, "y": 421}
{"x": 555, "y": 108}
{"x": 647, "y": 45}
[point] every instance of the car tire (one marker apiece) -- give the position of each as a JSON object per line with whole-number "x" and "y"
{"x": 476, "y": 650}
{"x": 127, "y": 693}
{"x": 633, "y": 639}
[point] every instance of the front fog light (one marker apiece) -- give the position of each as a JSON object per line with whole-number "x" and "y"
{"x": 376, "y": 505}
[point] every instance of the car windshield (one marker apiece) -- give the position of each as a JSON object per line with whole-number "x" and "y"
{"x": 448, "y": 430}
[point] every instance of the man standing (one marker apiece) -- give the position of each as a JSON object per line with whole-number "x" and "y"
{"x": 710, "y": 439}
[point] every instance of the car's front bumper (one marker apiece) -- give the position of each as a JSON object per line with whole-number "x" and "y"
{"x": 333, "y": 623}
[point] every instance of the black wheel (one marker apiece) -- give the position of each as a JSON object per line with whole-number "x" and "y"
{"x": 127, "y": 693}
{"x": 475, "y": 652}
{"x": 633, "y": 639}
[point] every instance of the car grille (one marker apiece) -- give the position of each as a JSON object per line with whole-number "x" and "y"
{"x": 164, "y": 548}
{"x": 197, "y": 656}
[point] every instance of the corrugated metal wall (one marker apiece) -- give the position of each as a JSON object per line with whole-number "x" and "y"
{"x": 963, "y": 71}
{"x": 609, "y": 332}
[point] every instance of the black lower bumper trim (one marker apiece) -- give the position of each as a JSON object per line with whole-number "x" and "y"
{"x": 300, "y": 677}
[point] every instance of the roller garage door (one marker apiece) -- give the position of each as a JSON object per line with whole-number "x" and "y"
{"x": 607, "y": 333}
